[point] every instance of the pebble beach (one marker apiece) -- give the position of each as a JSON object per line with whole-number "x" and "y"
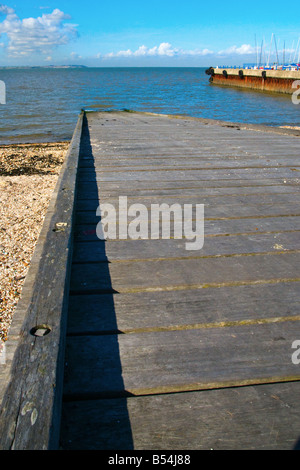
{"x": 28, "y": 175}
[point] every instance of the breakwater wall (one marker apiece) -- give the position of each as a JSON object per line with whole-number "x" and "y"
{"x": 280, "y": 81}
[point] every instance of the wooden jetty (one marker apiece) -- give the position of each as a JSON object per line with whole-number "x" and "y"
{"x": 142, "y": 344}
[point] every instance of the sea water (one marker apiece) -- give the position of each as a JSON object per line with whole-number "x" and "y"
{"x": 43, "y": 104}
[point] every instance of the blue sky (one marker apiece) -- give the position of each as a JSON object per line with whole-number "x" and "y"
{"x": 149, "y": 33}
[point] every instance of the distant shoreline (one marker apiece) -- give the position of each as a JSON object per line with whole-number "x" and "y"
{"x": 2, "y": 67}
{"x": 28, "y": 67}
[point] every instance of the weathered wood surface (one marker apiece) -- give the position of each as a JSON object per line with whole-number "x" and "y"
{"x": 224, "y": 227}
{"x": 142, "y": 311}
{"x": 241, "y": 244}
{"x": 31, "y": 379}
{"x": 165, "y": 348}
{"x": 184, "y": 274}
{"x": 211, "y": 187}
{"x": 149, "y": 319}
{"x": 179, "y": 360}
{"x": 256, "y": 417}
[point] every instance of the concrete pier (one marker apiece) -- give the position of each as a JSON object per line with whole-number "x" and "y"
{"x": 278, "y": 81}
{"x": 150, "y": 346}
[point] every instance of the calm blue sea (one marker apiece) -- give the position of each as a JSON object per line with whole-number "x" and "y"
{"x": 43, "y": 104}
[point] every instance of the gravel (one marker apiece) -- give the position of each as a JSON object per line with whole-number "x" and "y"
{"x": 28, "y": 175}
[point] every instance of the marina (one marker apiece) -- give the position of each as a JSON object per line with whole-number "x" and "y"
{"x": 140, "y": 344}
{"x": 269, "y": 74}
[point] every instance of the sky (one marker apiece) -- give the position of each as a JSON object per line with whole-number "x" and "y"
{"x": 135, "y": 33}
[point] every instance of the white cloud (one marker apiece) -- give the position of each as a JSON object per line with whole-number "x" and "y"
{"x": 127, "y": 53}
{"x": 245, "y": 49}
{"x": 165, "y": 49}
{"x": 35, "y": 35}
{"x": 74, "y": 55}
{"x": 200, "y": 52}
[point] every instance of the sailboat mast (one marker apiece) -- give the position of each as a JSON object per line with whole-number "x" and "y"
{"x": 261, "y": 49}
{"x": 270, "y": 51}
{"x": 256, "y": 52}
{"x": 276, "y": 50}
{"x": 292, "y": 51}
{"x": 296, "y": 50}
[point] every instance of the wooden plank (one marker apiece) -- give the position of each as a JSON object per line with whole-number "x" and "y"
{"x": 179, "y": 274}
{"x": 220, "y": 227}
{"x": 170, "y": 162}
{"x": 31, "y": 399}
{"x": 208, "y": 201}
{"x": 264, "y": 417}
{"x": 154, "y": 187}
{"x": 214, "y": 142}
{"x": 215, "y": 211}
{"x": 146, "y": 311}
{"x": 183, "y": 360}
{"x": 84, "y": 193}
{"x": 186, "y": 174}
{"x": 213, "y": 246}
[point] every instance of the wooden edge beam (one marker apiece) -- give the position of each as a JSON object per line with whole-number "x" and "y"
{"x": 31, "y": 380}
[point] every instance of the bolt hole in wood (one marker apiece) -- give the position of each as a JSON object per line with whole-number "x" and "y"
{"x": 40, "y": 331}
{"x": 60, "y": 227}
